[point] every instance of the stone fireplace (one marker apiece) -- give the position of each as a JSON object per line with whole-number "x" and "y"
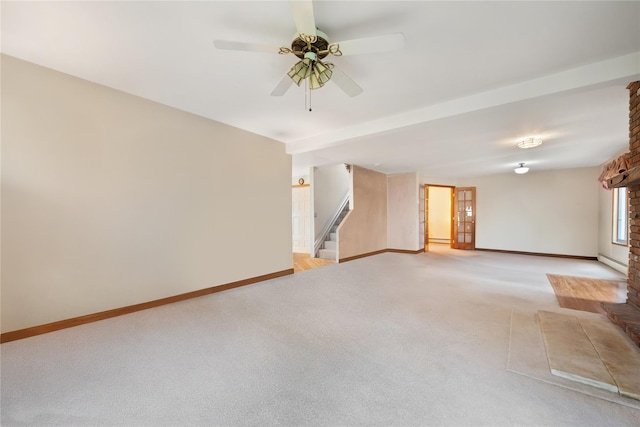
{"x": 627, "y": 315}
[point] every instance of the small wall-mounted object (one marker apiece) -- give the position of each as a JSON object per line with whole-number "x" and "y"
{"x": 301, "y": 181}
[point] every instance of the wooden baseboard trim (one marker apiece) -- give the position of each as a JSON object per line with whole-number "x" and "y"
{"x": 400, "y": 251}
{"x": 406, "y": 251}
{"x": 89, "y": 318}
{"x": 351, "y": 258}
{"x": 586, "y": 258}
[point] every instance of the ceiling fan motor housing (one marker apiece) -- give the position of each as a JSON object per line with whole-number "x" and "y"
{"x": 299, "y": 46}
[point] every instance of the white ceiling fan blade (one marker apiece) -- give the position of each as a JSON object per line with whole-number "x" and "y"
{"x": 345, "y": 82}
{"x": 283, "y": 86}
{"x": 247, "y": 47}
{"x": 372, "y": 44}
{"x": 303, "y": 16}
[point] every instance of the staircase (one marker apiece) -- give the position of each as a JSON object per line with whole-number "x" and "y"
{"x": 329, "y": 248}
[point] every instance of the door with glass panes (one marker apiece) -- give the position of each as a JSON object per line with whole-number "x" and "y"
{"x": 464, "y": 218}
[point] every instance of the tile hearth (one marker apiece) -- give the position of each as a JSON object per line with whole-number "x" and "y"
{"x": 591, "y": 351}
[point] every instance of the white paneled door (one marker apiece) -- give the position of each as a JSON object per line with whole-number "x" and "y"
{"x": 301, "y": 218}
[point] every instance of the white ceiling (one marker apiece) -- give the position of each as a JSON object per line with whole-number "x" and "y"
{"x": 473, "y": 79}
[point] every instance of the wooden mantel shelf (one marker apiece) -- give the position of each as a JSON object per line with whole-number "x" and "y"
{"x": 625, "y": 179}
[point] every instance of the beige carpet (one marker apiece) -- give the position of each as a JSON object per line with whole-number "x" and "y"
{"x": 389, "y": 340}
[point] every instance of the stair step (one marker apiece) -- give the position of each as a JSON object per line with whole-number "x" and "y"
{"x": 326, "y": 254}
{"x": 333, "y": 236}
{"x": 330, "y": 244}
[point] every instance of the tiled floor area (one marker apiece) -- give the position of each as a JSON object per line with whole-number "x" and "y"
{"x": 591, "y": 351}
{"x": 529, "y": 355}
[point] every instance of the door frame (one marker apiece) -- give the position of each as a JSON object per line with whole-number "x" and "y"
{"x": 426, "y": 213}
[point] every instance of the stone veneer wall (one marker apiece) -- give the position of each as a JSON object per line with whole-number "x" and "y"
{"x": 627, "y": 315}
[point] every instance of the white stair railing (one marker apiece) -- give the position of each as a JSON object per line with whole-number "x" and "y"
{"x": 330, "y": 223}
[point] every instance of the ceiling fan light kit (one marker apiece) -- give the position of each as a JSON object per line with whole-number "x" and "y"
{"x": 310, "y": 67}
{"x": 320, "y": 74}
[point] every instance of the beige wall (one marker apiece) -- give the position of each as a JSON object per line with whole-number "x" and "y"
{"x": 364, "y": 229}
{"x": 553, "y": 212}
{"x": 616, "y": 256}
{"x": 403, "y": 212}
{"x": 110, "y": 200}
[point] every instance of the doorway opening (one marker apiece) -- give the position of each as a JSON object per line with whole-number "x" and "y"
{"x": 449, "y": 216}
{"x": 301, "y": 233}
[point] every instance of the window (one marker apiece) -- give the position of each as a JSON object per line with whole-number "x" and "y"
{"x": 620, "y": 212}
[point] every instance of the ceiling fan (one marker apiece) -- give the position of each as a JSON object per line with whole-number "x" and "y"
{"x": 312, "y": 46}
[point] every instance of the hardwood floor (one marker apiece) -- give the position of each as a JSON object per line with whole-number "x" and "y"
{"x": 302, "y": 262}
{"x": 586, "y": 294}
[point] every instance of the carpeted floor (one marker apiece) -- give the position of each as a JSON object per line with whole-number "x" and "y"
{"x": 392, "y": 339}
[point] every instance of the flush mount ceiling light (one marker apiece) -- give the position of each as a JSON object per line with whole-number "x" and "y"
{"x": 521, "y": 169}
{"x": 530, "y": 142}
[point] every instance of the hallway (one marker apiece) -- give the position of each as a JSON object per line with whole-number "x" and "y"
{"x": 302, "y": 262}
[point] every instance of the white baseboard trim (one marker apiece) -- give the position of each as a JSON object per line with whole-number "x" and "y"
{"x": 615, "y": 264}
